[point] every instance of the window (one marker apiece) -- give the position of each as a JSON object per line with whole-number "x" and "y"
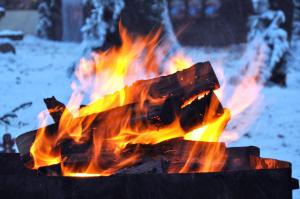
{"x": 194, "y": 8}
{"x": 212, "y": 8}
{"x": 177, "y": 8}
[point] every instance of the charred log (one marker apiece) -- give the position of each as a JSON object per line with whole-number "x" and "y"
{"x": 183, "y": 85}
{"x": 161, "y": 157}
{"x": 55, "y": 108}
{"x": 171, "y": 90}
{"x": 193, "y": 115}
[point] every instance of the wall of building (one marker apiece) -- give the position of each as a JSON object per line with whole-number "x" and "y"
{"x": 210, "y": 22}
{"x": 20, "y": 20}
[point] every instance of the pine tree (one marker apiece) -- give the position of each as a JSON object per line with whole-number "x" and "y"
{"x": 102, "y": 21}
{"x": 138, "y": 16}
{"x": 50, "y": 20}
{"x": 44, "y": 24}
{"x": 266, "y": 31}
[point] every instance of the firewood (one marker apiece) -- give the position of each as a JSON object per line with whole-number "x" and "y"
{"x": 55, "y": 108}
{"x": 181, "y": 85}
{"x": 162, "y": 156}
{"x": 191, "y": 116}
{"x": 25, "y": 141}
{"x": 239, "y": 158}
{"x": 175, "y": 89}
{"x": 148, "y": 166}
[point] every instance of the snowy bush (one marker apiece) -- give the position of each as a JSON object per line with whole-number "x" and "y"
{"x": 96, "y": 26}
{"x": 44, "y": 23}
{"x": 266, "y": 33}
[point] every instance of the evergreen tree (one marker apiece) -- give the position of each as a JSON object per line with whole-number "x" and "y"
{"x": 44, "y": 24}
{"x": 137, "y": 16}
{"x": 50, "y": 20}
{"x": 102, "y": 21}
{"x": 266, "y": 32}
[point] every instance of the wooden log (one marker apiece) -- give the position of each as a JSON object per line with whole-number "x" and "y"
{"x": 167, "y": 155}
{"x": 192, "y": 116}
{"x": 239, "y": 158}
{"x": 55, "y": 108}
{"x": 148, "y": 166}
{"x": 174, "y": 89}
{"x": 189, "y": 116}
{"x": 25, "y": 141}
{"x": 182, "y": 85}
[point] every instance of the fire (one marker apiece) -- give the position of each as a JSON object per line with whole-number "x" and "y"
{"x": 107, "y": 74}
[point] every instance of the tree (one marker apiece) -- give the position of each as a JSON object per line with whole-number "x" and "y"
{"x": 50, "y": 21}
{"x": 44, "y": 24}
{"x": 102, "y": 22}
{"x": 266, "y": 30}
{"x": 137, "y": 16}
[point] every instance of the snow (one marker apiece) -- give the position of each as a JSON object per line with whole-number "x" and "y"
{"x": 10, "y": 32}
{"x": 40, "y": 69}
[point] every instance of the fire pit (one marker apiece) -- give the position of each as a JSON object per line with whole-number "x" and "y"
{"x": 245, "y": 175}
{"x": 156, "y": 138}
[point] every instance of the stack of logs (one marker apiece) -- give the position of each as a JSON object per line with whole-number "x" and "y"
{"x": 173, "y": 91}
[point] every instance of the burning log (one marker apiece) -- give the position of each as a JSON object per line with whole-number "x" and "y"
{"x": 175, "y": 88}
{"x": 170, "y": 150}
{"x": 165, "y": 157}
{"x": 181, "y": 85}
{"x": 191, "y": 116}
{"x": 148, "y": 166}
{"x": 55, "y": 108}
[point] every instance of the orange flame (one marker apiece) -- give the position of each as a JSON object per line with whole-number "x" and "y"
{"x": 107, "y": 74}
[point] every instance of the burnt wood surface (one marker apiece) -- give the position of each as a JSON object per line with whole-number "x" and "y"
{"x": 171, "y": 90}
{"x": 170, "y": 153}
{"x": 239, "y": 158}
{"x": 183, "y": 85}
{"x": 55, "y": 108}
{"x": 191, "y": 116}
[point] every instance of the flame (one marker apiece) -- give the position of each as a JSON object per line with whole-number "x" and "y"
{"x": 43, "y": 149}
{"x": 103, "y": 79}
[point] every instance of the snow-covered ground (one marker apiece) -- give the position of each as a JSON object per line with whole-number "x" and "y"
{"x": 40, "y": 69}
